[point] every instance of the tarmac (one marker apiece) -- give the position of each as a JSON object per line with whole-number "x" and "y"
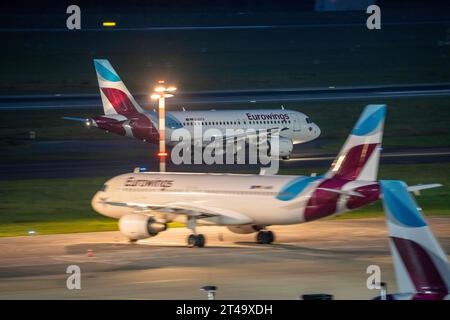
{"x": 329, "y": 256}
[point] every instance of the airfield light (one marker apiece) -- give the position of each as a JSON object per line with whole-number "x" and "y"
{"x": 109, "y": 24}
{"x": 210, "y": 291}
{"x": 161, "y": 93}
{"x": 383, "y": 290}
{"x": 160, "y": 89}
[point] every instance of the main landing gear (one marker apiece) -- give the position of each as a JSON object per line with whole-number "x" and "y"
{"x": 265, "y": 237}
{"x": 194, "y": 240}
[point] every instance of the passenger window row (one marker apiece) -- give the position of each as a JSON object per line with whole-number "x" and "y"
{"x": 221, "y": 123}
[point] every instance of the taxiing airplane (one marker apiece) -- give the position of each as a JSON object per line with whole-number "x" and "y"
{"x": 125, "y": 117}
{"x": 145, "y": 202}
{"x": 421, "y": 266}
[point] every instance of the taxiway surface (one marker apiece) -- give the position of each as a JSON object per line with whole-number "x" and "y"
{"x": 328, "y": 256}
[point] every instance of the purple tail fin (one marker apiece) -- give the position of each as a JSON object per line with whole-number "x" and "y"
{"x": 359, "y": 157}
{"x": 116, "y": 98}
{"x": 421, "y": 265}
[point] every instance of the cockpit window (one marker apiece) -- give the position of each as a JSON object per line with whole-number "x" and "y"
{"x": 103, "y": 188}
{"x": 308, "y": 120}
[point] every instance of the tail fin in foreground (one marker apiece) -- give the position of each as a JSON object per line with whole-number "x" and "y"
{"x": 359, "y": 157}
{"x": 116, "y": 98}
{"x": 421, "y": 266}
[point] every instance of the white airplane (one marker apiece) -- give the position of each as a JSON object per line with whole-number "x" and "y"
{"x": 125, "y": 117}
{"x": 145, "y": 202}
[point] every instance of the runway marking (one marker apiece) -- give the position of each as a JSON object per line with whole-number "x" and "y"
{"x": 107, "y": 257}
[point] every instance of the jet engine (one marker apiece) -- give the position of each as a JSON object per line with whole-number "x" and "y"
{"x": 139, "y": 226}
{"x": 285, "y": 148}
{"x": 249, "y": 228}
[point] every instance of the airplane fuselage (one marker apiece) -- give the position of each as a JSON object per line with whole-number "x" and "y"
{"x": 144, "y": 126}
{"x": 261, "y": 200}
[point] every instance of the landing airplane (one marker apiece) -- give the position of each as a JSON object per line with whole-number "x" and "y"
{"x": 125, "y": 117}
{"x": 421, "y": 266}
{"x": 145, "y": 202}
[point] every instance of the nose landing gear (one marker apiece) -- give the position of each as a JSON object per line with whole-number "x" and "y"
{"x": 265, "y": 237}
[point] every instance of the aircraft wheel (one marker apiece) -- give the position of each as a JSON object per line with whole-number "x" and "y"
{"x": 191, "y": 240}
{"x": 270, "y": 236}
{"x": 200, "y": 241}
{"x": 265, "y": 237}
{"x": 196, "y": 240}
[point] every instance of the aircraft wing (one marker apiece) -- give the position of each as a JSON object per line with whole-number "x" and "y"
{"x": 244, "y": 135}
{"x": 263, "y": 134}
{"x": 223, "y": 216}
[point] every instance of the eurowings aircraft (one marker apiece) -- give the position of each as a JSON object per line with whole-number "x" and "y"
{"x": 145, "y": 202}
{"x": 421, "y": 266}
{"x": 125, "y": 117}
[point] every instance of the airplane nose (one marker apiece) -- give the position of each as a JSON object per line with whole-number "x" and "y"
{"x": 313, "y": 131}
{"x": 97, "y": 203}
{"x": 317, "y": 130}
{"x": 94, "y": 203}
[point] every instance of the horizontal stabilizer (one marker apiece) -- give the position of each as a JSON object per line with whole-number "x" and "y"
{"x": 418, "y": 187}
{"x": 343, "y": 192}
{"x": 76, "y": 119}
